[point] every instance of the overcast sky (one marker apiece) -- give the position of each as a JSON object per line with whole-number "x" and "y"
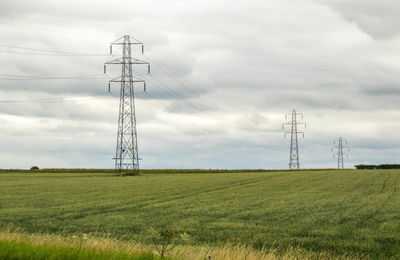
{"x": 224, "y": 73}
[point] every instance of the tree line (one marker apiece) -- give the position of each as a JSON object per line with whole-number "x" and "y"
{"x": 380, "y": 166}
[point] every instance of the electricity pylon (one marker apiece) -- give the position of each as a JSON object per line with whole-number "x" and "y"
{"x": 340, "y": 144}
{"x": 126, "y": 156}
{"x": 294, "y": 144}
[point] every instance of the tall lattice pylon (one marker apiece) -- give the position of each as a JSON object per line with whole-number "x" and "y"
{"x": 126, "y": 155}
{"x": 340, "y": 144}
{"x": 294, "y": 162}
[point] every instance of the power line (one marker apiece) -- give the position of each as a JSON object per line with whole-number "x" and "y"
{"x": 176, "y": 112}
{"x": 185, "y": 85}
{"x": 52, "y": 30}
{"x": 47, "y": 52}
{"x": 163, "y": 68}
{"x": 177, "y": 96}
{"x": 204, "y": 129}
{"x": 95, "y": 95}
{"x": 63, "y": 53}
{"x": 51, "y": 54}
{"x": 170, "y": 92}
{"x": 38, "y": 77}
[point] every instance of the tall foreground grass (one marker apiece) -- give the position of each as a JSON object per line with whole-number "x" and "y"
{"x": 90, "y": 247}
{"x": 24, "y": 251}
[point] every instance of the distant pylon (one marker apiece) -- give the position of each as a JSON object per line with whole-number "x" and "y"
{"x": 294, "y": 162}
{"x": 126, "y": 156}
{"x": 340, "y": 144}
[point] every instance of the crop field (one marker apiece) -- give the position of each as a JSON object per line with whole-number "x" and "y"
{"x": 342, "y": 213}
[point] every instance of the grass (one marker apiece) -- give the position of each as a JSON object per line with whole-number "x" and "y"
{"x": 335, "y": 213}
{"x": 52, "y": 246}
{"x": 22, "y": 250}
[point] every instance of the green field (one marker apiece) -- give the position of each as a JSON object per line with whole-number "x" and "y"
{"x": 345, "y": 212}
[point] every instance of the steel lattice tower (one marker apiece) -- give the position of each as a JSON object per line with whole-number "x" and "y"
{"x": 340, "y": 144}
{"x": 126, "y": 156}
{"x": 294, "y": 144}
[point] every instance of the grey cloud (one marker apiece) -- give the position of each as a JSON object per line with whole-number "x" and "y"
{"x": 379, "y": 19}
{"x": 382, "y": 90}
